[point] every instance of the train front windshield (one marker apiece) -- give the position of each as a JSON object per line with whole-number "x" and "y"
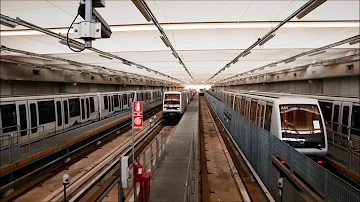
{"x": 172, "y": 101}
{"x": 301, "y": 126}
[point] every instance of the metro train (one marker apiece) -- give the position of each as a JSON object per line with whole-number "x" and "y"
{"x": 27, "y": 117}
{"x": 341, "y": 115}
{"x": 174, "y": 105}
{"x": 297, "y": 121}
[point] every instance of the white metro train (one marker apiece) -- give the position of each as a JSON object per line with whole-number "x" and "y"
{"x": 174, "y": 105}
{"x": 23, "y": 118}
{"x": 297, "y": 121}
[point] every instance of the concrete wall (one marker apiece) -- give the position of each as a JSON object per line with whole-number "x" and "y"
{"x": 345, "y": 86}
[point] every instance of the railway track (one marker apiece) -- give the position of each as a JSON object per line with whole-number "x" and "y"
{"x": 219, "y": 159}
{"x": 50, "y": 167}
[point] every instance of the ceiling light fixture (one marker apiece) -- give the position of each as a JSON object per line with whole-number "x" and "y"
{"x": 75, "y": 64}
{"x": 273, "y": 65}
{"x": 142, "y": 10}
{"x": 165, "y": 40}
{"x": 317, "y": 53}
{"x": 175, "y": 55}
{"x": 71, "y": 44}
{"x": 310, "y": 8}
{"x": 289, "y": 60}
{"x": 42, "y": 58}
{"x": 267, "y": 39}
{"x": 354, "y": 42}
{"x": 127, "y": 63}
{"x": 105, "y": 56}
{"x": 8, "y": 23}
{"x": 246, "y": 53}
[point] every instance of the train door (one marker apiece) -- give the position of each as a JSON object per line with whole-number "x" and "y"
{"x": 66, "y": 114}
{"x": 22, "y": 120}
{"x": 83, "y": 109}
{"x": 335, "y": 121}
{"x": 59, "y": 114}
{"x": 33, "y": 118}
{"x": 346, "y": 108}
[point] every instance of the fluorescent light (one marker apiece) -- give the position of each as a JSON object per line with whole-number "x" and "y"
{"x": 193, "y": 26}
{"x": 75, "y": 64}
{"x": 246, "y": 53}
{"x": 8, "y": 23}
{"x": 166, "y": 42}
{"x": 310, "y": 8}
{"x": 267, "y": 39}
{"x": 175, "y": 55}
{"x": 289, "y": 60}
{"x": 317, "y": 53}
{"x": 142, "y": 10}
{"x": 127, "y": 63}
{"x": 105, "y": 56}
{"x": 273, "y": 65}
{"x": 42, "y": 58}
{"x": 354, "y": 42}
{"x": 56, "y": 68}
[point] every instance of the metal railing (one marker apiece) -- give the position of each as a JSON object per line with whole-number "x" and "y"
{"x": 11, "y": 143}
{"x": 259, "y": 145}
{"x": 189, "y": 184}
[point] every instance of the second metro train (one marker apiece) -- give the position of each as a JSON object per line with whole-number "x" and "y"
{"x": 27, "y": 117}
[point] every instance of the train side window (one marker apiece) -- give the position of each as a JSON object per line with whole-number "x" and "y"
{"x": 242, "y": 110}
{"x": 74, "y": 107}
{"x": 66, "y": 112}
{"x": 87, "y": 108}
{"x": 106, "y": 103}
{"x": 8, "y": 118}
{"x": 92, "y": 105}
{"x": 46, "y": 112}
{"x": 355, "y": 120}
{"x": 125, "y": 99}
{"x": 326, "y": 109}
{"x": 253, "y": 111}
{"x": 345, "y": 120}
{"x": 33, "y": 118}
{"x": 116, "y": 101}
{"x": 82, "y": 109}
{"x": 268, "y": 117}
{"x": 23, "y": 120}
{"x": 58, "y": 110}
{"x": 336, "y": 117}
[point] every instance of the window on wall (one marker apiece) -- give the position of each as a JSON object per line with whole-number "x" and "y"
{"x": 116, "y": 101}
{"x": 106, "y": 103}
{"x": 74, "y": 107}
{"x": 92, "y": 105}
{"x": 33, "y": 117}
{"x": 46, "y": 112}
{"x": 268, "y": 117}
{"x": 8, "y": 118}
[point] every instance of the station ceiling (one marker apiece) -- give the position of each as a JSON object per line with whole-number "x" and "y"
{"x": 207, "y": 35}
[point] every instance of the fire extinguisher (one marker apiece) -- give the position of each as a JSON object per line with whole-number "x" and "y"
{"x": 138, "y": 172}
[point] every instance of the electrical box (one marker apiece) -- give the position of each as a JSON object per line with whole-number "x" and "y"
{"x": 87, "y": 30}
{"x": 124, "y": 171}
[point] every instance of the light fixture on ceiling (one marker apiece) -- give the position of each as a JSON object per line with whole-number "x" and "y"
{"x": 142, "y": 10}
{"x": 75, "y": 63}
{"x": 8, "y": 23}
{"x": 235, "y": 60}
{"x": 105, "y": 56}
{"x": 126, "y": 63}
{"x": 354, "y": 42}
{"x": 310, "y": 8}
{"x": 273, "y": 64}
{"x": 289, "y": 60}
{"x": 267, "y": 39}
{"x": 42, "y": 58}
{"x": 181, "y": 62}
{"x": 165, "y": 40}
{"x": 71, "y": 44}
{"x": 56, "y": 68}
{"x": 246, "y": 53}
{"x": 175, "y": 55}
{"x": 317, "y": 53}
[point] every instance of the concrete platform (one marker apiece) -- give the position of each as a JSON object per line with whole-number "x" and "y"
{"x": 169, "y": 180}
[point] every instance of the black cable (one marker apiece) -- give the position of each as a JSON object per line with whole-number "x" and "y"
{"x": 67, "y": 36}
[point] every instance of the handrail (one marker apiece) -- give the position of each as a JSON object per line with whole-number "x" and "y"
{"x": 188, "y": 172}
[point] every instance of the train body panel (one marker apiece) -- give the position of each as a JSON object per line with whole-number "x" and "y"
{"x": 26, "y": 117}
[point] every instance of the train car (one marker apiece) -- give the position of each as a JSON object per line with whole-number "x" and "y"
{"x": 27, "y": 117}
{"x": 341, "y": 115}
{"x": 201, "y": 91}
{"x": 174, "y": 106}
{"x": 297, "y": 121}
